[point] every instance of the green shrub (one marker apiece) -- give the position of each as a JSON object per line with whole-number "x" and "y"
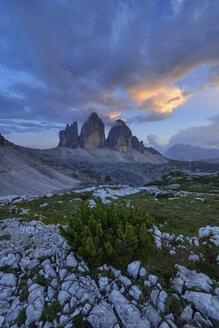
{"x": 106, "y": 233}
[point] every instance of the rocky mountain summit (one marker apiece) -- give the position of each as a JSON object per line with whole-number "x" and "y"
{"x": 92, "y": 133}
{"x": 120, "y": 137}
{"x": 69, "y": 136}
{"x": 92, "y": 136}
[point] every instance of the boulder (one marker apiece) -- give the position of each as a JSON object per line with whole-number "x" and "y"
{"x": 69, "y": 136}
{"x": 120, "y": 137}
{"x": 92, "y": 133}
{"x": 133, "y": 269}
{"x": 204, "y": 303}
{"x": 102, "y": 316}
{"x": 128, "y": 314}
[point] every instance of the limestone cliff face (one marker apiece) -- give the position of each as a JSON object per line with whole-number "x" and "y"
{"x": 69, "y": 136}
{"x": 138, "y": 145}
{"x": 92, "y": 133}
{"x": 120, "y": 137}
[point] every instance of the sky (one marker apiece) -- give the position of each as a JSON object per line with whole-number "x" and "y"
{"x": 154, "y": 63}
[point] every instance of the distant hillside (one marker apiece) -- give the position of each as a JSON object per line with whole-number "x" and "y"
{"x": 183, "y": 152}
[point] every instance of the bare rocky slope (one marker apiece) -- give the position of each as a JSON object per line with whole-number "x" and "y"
{"x": 21, "y": 174}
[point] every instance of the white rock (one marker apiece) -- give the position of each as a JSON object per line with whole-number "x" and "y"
{"x": 153, "y": 316}
{"x": 142, "y": 273}
{"x": 62, "y": 273}
{"x": 161, "y": 300}
{"x": 115, "y": 272}
{"x": 164, "y": 325}
{"x": 125, "y": 281}
{"x": 199, "y": 318}
{"x": 153, "y": 279}
{"x": 187, "y": 313}
{"x": 32, "y": 315}
{"x": 133, "y": 269}
{"x": 71, "y": 261}
{"x": 128, "y": 313}
{"x": 147, "y": 283}
{"x": 102, "y": 316}
{"x": 205, "y": 303}
{"x": 51, "y": 293}
{"x": 86, "y": 308}
{"x": 154, "y": 295}
{"x": 135, "y": 292}
{"x": 216, "y": 291}
{"x": 63, "y": 297}
{"x": 50, "y": 271}
{"x": 8, "y": 279}
{"x": 2, "y": 319}
{"x": 193, "y": 257}
{"x": 192, "y": 279}
{"x": 103, "y": 283}
{"x": 64, "y": 320}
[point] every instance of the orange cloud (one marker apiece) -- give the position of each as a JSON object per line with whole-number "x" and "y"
{"x": 114, "y": 114}
{"x": 161, "y": 99}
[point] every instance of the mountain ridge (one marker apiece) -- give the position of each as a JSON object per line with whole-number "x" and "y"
{"x": 186, "y": 152}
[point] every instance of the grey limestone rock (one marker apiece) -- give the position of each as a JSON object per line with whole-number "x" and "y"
{"x": 205, "y": 303}
{"x": 127, "y": 312}
{"x": 135, "y": 292}
{"x": 133, "y": 269}
{"x": 71, "y": 261}
{"x": 102, "y": 316}
{"x": 154, "y": 296}
{"x": 161, "y": 300}
{"x": 142, "y": 273}
{"x": 137, "y": 145}
{"x": 153, "y": 316}
{"x": 8, "y": 279}
{"x": 92, "y": 133}
{"x": 69, "y": 136}
{"x": 192, "y": 279}
{"x": 187, "y": 313}
{"x": 120, "y": 137}
{"x": 63, "y": 297}
{"x": 153, "y": 279}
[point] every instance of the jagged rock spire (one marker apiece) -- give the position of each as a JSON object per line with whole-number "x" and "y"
{"x": 92, "y": 133}
{"x": 120, "y": 137}
{"x": 69, "y": 136}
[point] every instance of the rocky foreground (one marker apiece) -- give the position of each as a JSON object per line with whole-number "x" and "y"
{"x": 43, "y": 284}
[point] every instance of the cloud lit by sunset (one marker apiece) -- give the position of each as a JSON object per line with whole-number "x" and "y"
{"x": 140, "y": 60}
{"x": 160, "y": 99}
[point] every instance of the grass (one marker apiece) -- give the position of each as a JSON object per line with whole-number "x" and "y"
{"x": 5, "y": 237}
{"x": 51, "y": 311}
{"x": 184, "y": 215}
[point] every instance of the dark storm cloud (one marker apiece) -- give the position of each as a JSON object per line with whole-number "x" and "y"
{"x": 79, "y": 53}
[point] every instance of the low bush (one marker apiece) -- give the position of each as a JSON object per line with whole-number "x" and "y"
{"x": 108, "y": 233}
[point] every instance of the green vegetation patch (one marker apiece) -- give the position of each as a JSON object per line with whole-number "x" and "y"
{"x": 51, "y": 311}
{"x": 106, "y": 233}
{"x": 5, "y": 237}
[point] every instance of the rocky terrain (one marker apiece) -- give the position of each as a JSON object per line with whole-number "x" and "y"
{"x": 21, "y": 174}
{"x": 183, "y": 152}
{"x": 43, "y": 284}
